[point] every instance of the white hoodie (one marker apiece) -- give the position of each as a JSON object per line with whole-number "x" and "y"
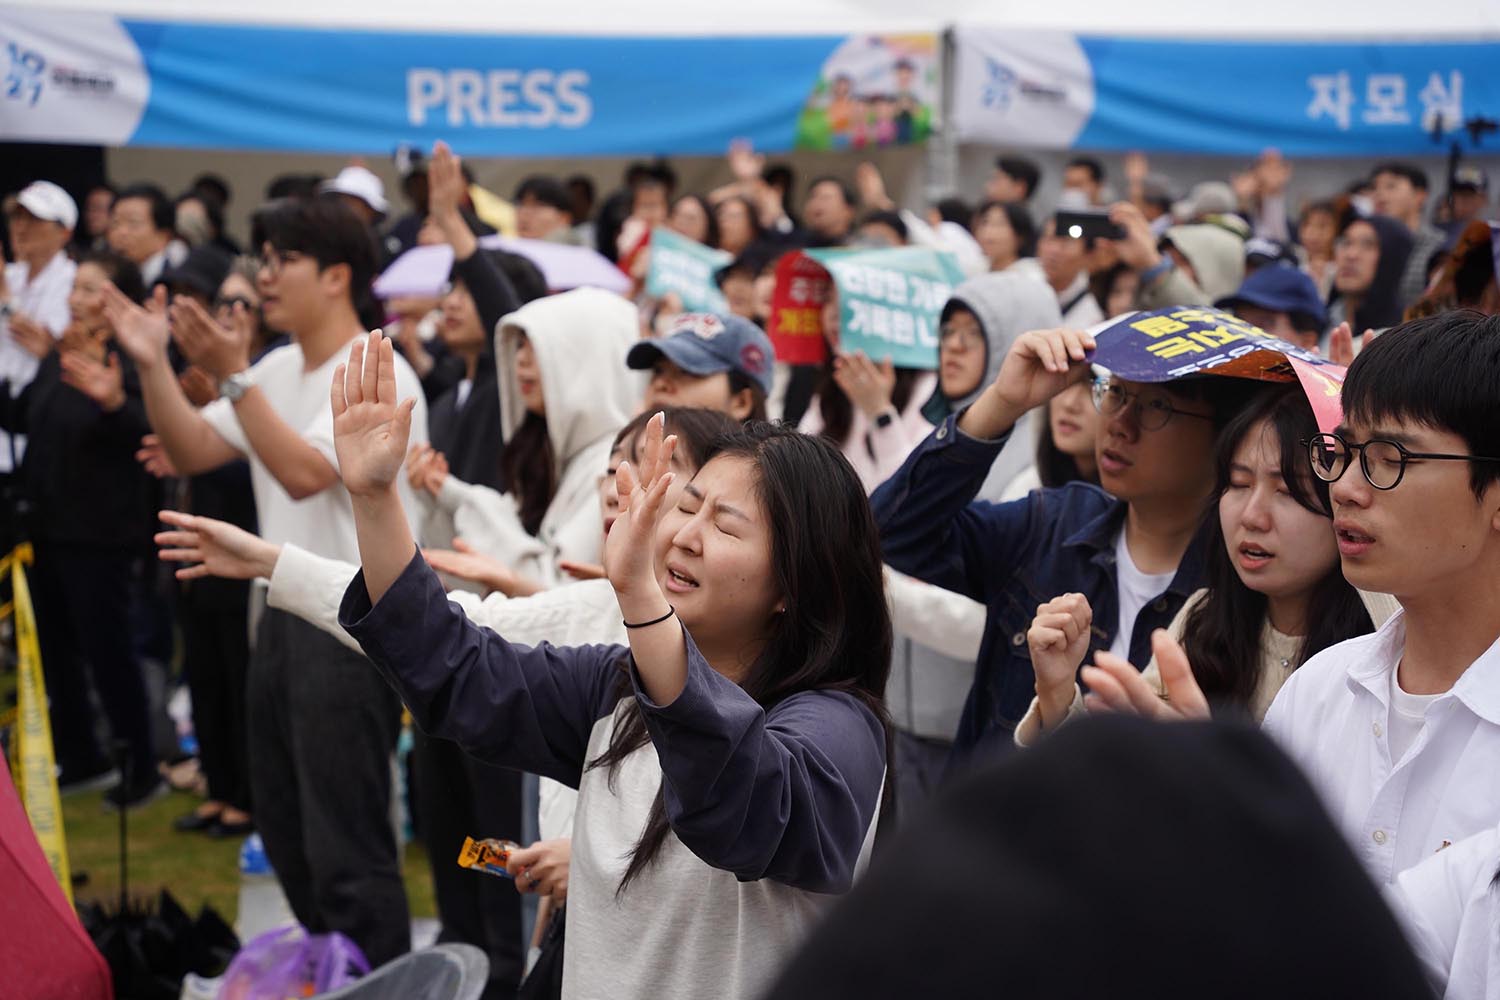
{"x": 579, "y": 339}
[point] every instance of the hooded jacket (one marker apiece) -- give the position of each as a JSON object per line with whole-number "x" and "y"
{"x": 1381, "y": 306}
{"x": 1218, "y": 259}
{"x": 579, "y": 339}
{"x": 1006, "y": 304}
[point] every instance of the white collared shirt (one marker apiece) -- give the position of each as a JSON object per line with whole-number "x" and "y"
{"x": 43, "y": 297}
{"x": 1450, "y": 907}
{"x": 1332, "y": 715}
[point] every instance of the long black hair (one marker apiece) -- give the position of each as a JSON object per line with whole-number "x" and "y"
{"x": 528, "y": 467}
{"x": 835, "y": 634}
{"x": 1222, "y": 634}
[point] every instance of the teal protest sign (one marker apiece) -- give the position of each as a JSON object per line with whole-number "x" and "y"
{"x": 685, "y": 268}
{"x": 891, "y": 301}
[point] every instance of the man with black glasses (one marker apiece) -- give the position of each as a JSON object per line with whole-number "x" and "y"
{"x": 321, "y": 724}
{"x": 1132, "y": 548}
{"x": 1401, "y": 729}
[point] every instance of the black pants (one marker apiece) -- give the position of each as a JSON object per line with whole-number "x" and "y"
{"x": 216, "y": 651}
{"x": 82, "y": 598}
{"x": 322, "y": 726}
{"x": 457, "y": 797}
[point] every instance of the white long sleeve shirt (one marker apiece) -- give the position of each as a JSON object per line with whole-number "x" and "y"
{"x": 1333, "y": 717}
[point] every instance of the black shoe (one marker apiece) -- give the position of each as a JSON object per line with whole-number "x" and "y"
{"x": 134, "y": 794}
{"x": 220, "y": 830}
{"x": 194, "y": 822}
{"x": 77, "y": 780}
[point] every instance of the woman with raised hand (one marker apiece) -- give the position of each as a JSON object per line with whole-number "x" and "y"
{"x": 730, "y": 760}
{"x": 310, "y": 587}
{"x": 1274, "y": 593}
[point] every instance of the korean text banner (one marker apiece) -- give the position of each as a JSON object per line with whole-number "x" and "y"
{"x": 890, "y": 301}
{"x": 686, "y": 268}
{"x": 796, "y": 323}
{"x": 1182, "y": 342}
{"x": 94, "y": 78}
{"x": 1056, "y": 90}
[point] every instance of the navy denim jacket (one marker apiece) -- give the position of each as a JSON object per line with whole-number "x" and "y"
{"x": 1012, "y": 557}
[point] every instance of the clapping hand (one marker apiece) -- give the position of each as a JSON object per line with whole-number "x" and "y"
{"x": 221, "y": 351}
{"x": 1116, "y": 686}
{"x": 100, "y": 381}
{"x": 370, "y": 429}
{"x": 629, "y": 551}
{"x": 31, "y": 336}
{"x": 141, "y": 332}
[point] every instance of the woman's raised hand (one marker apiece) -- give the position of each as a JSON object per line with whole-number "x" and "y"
{"x": 370, "y": 429}
{"x": 629, "y": 551}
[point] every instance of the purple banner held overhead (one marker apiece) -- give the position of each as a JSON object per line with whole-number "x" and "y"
{"x": 1185, "y": 341}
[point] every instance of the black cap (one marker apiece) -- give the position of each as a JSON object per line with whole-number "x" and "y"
{"x": 203, "y": 270}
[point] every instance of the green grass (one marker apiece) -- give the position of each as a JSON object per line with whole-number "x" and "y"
{"x": 196, "y": 868}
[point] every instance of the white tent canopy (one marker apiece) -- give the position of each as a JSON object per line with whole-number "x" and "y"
{"x": 1279, "y": 19}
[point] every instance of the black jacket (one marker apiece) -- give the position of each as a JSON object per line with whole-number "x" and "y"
{"x": 469, "y": 434}
{"x": 79, "y": 471}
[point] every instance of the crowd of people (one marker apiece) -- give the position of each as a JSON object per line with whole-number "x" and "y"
{"x": 705, "y": 631}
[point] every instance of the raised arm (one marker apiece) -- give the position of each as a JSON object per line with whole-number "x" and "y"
{"x": 370, "y": 434}
{"x": 930, "y": 525}
{"x": 789, "y": 794}
{"x": 191, "y": 443}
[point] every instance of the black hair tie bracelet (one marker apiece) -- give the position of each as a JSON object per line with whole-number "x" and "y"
{"x": 655, "y": 621}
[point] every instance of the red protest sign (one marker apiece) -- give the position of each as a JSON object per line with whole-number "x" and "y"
{"x": 796, "y": 325}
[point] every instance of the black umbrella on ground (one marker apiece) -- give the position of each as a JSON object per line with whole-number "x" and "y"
{"x": 151, "y": 944}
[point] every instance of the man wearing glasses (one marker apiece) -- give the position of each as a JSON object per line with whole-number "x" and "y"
{"x": 1401, "y": 729}
{"x": 321, "y": 725}
{"x": 1132, "y": 548}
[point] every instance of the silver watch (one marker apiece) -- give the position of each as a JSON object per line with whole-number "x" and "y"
{"x": 236, "y": 385}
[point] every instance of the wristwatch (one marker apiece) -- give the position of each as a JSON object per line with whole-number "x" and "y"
{"x": 236, "y": 385}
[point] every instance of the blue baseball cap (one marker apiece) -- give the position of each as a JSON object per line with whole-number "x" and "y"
{"x": 1281, "y": 289}
{"x": 709, "y": 343}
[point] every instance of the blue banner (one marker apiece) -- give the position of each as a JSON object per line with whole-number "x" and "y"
{"x": 1062, "y": 91}
{"x": 93, "y": 78}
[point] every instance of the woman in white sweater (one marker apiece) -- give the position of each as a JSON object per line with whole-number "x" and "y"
{"x": 1275, "y": 593}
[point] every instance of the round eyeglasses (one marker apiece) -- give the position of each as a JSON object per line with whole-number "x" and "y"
{"x": 1152, "y": 412}
{"x": 1382, "y": 462}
